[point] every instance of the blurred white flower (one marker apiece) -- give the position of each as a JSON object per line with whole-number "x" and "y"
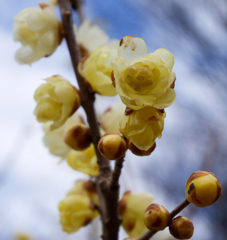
{"x": 89, "y": 37}
{"x": 38, "y": 30}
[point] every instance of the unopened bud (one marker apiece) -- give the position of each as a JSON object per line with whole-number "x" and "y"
{"x": 138, "y": 151}
{"x": 203, "y": 188}
{"x": 78, "y": 137}
{"x": 156, "y": 217}
{"x": 112, "y": 146}
{"x": 181, "y": 228}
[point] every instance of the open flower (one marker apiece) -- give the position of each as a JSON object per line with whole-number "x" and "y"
{"x": 56, "y": 101}
{"x": 89, "y": 37}
{"x": 97, "y": 70}
{"x": 39, "y": 32}
{"x": 87, "y": 187}
{"x": 143, "y": 126}
{"x": 54, "y": 139}
{"x": 84, "y": 161}
{"x": 143, "y": 80}
{"x": 131, "y": 208}
{"x": 111, "y": 118}
{"x": 76, "y": 211}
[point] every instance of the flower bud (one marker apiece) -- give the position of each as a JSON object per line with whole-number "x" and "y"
{"x": 78, "y": 137}
{"x": 139, "y": 152}
{"x": 203, "y": 188}
{"x": 112, "y": 146}
{"x": 156, "y": 217}
{"x": 181, "y": 228}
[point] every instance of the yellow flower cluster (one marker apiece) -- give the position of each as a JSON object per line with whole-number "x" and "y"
{"x": 131, "y": 208}
{"x": 38, "y": 30}
{"x": 84, "y": 161}
{"x": 77, "y": 209}
{"x": 145, "y": 85}
{"x": 97, "y": 69}
{"x": 56, "y": 101}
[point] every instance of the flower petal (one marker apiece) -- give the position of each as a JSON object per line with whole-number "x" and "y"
{"x": 132, "y": 47}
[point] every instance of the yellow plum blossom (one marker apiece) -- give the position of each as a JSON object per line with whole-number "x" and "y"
{"x": 84, "y": 161}
{"x": 56, "y": 101}
{"x": 111, "y": 118}
{"x": 76, "y": 211}
{"x": 131, "y": 208}
{"x": 22, "y": 236}
{"x": 54, "y": 139}
{"x": 143, "y": 79}
{"x": 97, "y": 70}
{"x": 89, "y": 37}
{"x": 143, "y": 126}
{"x": 39, "y": 32}
{"x": 87, "y": 187}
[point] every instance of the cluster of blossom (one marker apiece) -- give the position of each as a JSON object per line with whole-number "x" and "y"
{"x": 145, "y": 84}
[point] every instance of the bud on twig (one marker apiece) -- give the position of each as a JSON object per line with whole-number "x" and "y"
{"x": 112, "y": 146}
{"x": 181, "y": 228}
{"x": 156, "y": 217}
{"x": 78, "y": 137}
{"x": 203, "y": 188}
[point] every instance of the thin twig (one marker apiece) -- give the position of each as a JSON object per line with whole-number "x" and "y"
{"x": 78, "y": 6}
{"x": 175, "y": 211}
{"x": 116, "y": 173}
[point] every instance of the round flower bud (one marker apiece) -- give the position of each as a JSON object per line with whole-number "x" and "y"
{"x": 139, "y": 152}
{"x": 78, "y": 137}
{"x": 181, "y": 228}
{"x": 112, "y": 146}
{"x": 156, "y": 217}
{"x": 203, "y": 188}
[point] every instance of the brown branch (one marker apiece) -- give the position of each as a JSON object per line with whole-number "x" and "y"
{"x": 87, "y": 97}
{"x": 116, "y": 173}
{"x": 175, "y": 211}
{"x": 108, "y": 197}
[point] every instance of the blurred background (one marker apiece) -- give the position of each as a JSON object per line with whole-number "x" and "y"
{"x": 32, "y": 182}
